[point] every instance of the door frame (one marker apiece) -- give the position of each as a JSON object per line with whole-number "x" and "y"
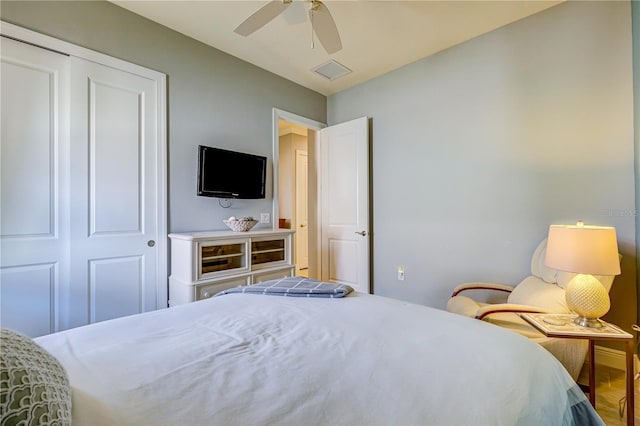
{"x": 50, "y": 43}
{"x": 277, "y": 115}
{"x": 296, "y": 204}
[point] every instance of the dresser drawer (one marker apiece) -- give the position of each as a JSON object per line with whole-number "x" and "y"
{"x": 272, "y": 275}
{"x": 205, "y": 291}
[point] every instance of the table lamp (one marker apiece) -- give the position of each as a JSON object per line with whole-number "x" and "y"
{"x": 586, "y": 251}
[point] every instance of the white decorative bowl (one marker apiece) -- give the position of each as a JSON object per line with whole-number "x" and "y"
{"x": 240, "y": 225}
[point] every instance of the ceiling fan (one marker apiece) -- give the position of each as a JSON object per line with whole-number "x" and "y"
{"x": 321, "y": 21}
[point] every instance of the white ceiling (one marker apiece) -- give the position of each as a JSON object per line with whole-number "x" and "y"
{"x": 377, "y": 36}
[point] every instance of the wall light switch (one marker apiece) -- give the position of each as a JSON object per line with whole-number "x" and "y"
{"x": 265, "y": 218}
{"x": 400, "y": 273}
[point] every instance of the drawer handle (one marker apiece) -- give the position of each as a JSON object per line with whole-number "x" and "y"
{"x": 206, "y": 295}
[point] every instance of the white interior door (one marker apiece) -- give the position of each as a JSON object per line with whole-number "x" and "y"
{"x": 34, "y": 187}
{"x": 344, "y": 165}
{"x": 301, "y": 209}
{"x": 114, "y": 190}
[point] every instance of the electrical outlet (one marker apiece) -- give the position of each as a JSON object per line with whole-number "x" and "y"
{"x": 265, "y": 218}
{"x": 400, "y": 273}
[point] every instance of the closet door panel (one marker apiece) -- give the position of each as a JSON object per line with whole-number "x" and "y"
{"x": 115, "y": 144}
{"x": 106, "y": 302}
{"x": 114, "y": 186}
{"x": 28, "y": 298}
{"x": 28, "y": 161}
{"x": 34, "y": 188}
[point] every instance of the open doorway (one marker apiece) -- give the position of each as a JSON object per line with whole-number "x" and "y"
{"x": 338, "y": 245}
{"x": 293, "y": 190}
{"x": 297, "y": 133}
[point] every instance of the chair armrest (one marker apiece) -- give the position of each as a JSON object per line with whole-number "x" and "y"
{"x": 481, "y": 286}
{"x": 510, "y": 307}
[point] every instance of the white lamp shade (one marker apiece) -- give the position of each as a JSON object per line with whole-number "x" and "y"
{"x": 583, "y": 249}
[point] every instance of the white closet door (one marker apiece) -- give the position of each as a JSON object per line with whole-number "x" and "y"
{"x": 34, "y": 188}
{"x": 82, "y": 187}
{"x": 114, "y": 190}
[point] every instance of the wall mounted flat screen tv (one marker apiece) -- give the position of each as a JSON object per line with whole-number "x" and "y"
{"x": 230, "y": 174}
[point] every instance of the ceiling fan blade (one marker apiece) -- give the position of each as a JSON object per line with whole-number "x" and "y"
{"x": 325, "y": 27}
{"x": 263, "y": 16}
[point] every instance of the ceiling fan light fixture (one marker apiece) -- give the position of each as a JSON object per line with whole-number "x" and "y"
{"x": 331, "y": 70}
{"x": 322, "y": 22}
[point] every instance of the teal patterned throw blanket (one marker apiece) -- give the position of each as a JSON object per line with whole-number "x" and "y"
{"x": 293, "y": 286}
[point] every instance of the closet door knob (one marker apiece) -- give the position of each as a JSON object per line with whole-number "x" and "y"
{"x": 363, "y": 233}
{"x": 151, "y": 243}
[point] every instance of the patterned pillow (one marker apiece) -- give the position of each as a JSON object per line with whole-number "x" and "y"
{"x": 34, "y": 389}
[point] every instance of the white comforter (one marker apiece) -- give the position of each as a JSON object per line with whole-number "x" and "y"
{"x": 252, "y": 359}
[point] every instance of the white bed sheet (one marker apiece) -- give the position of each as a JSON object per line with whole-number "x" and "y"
{"x": 253, "y": 360}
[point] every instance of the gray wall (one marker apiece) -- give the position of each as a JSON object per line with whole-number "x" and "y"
{"x": 213, "y": 98}
{"x": 477, "y": 149}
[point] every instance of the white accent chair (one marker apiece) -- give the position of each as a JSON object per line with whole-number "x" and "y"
{"x": 541, "y": 292}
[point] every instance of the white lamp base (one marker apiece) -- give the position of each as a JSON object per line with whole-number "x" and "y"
{"x": 588, "y": 298}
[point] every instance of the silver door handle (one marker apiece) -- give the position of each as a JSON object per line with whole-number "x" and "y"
{"x": 363, "y": 233}
{"x": 151, "y": 243}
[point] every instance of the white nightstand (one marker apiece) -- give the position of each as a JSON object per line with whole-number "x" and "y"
{"x": 562, "y": 326}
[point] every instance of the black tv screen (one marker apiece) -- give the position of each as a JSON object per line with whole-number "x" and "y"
{"x": 230, "y": 174}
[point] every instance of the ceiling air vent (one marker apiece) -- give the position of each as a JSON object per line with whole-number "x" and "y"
{"x": 331, "y": 70}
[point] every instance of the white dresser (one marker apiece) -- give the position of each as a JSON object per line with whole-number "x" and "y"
{"x": 205, "y": 263}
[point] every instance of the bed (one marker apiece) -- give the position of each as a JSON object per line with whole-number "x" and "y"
{"x": 252, "y": 359}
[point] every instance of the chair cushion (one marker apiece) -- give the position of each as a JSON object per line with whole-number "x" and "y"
{"x": 565, "y": 277}
{"x": 570, "y": 352}
{"x": 538, "y": 266}
{"x": 534, "y": 291}
{"x": 463, "y": 305}
{"x": 34, "y": 388}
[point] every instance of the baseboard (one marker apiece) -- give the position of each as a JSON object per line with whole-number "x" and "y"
{"x": 608, "y": 357}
